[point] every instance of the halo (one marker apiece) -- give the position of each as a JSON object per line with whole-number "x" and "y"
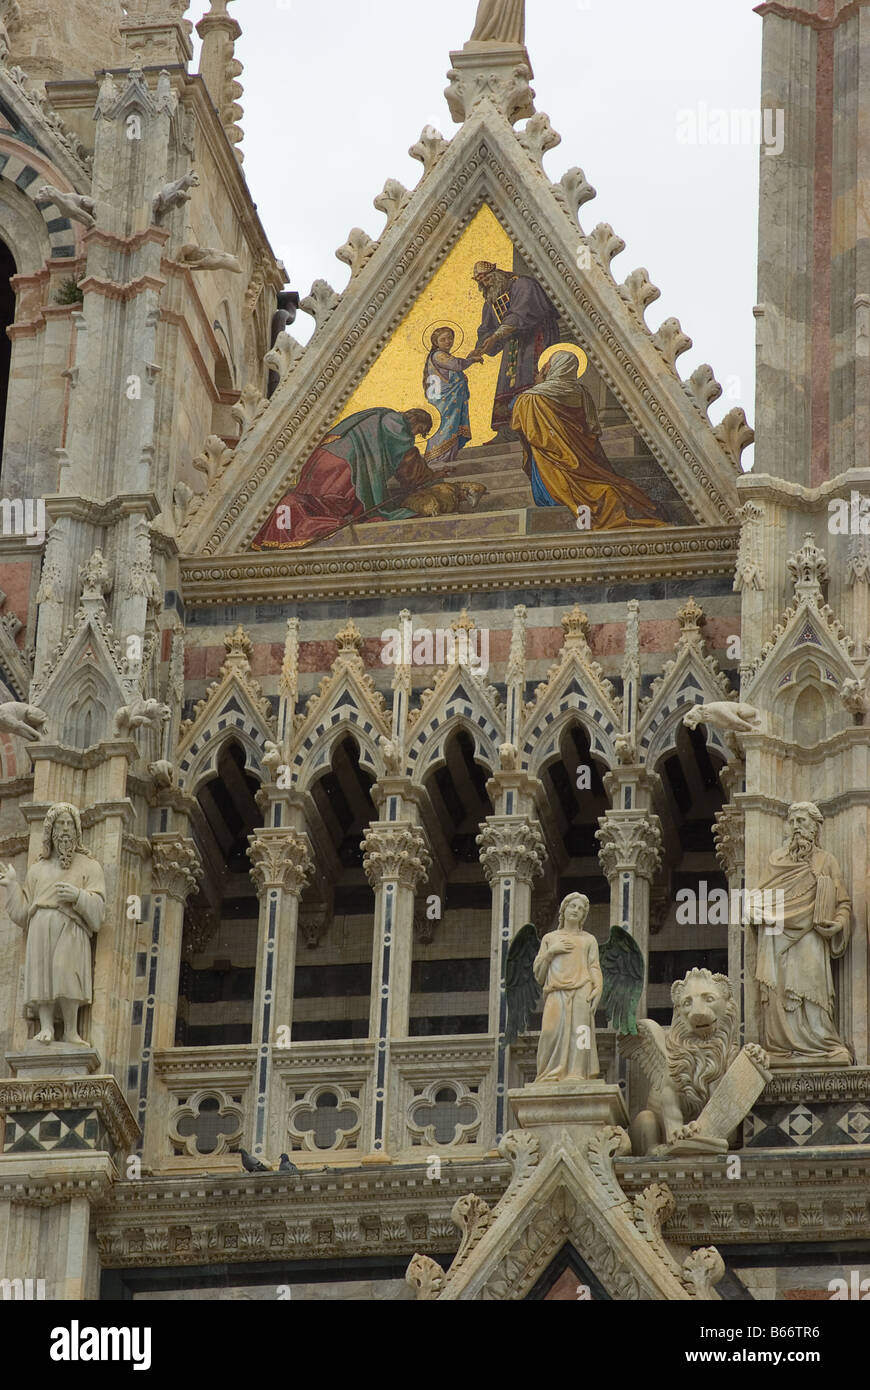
{"x": 443, "y": 323}
{"x": 578, "y": 352}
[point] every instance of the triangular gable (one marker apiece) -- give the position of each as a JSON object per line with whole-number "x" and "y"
{"x": 566, "y": 1195}
{"x": 809, "y": 648}
{"x": 486, "y": 164}
{"x": 234, "y": 707}
{"x": 692, "y": 678}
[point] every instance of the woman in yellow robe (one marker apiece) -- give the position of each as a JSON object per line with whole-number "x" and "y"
{"x": 559, "y": 426}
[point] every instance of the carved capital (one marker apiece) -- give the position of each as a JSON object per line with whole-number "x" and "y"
{"x": 504, "y": 83}
{"x": 630, "y": 842}
{"x": 729, "y": 832}
{"x": 511, "y": 845}
{"x": 175, "y": 867}
{"x": 280, "y": 859}
{"x": 398, "y": 851}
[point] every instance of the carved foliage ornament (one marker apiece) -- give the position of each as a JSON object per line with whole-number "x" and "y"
{"x": 630, "y": 842}
{"x": 281, "y": 859}
{"x": 513, "y": 845}
{"x": 396, "y": 851}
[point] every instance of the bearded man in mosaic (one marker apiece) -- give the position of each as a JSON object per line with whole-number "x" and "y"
{"x": 520, "y": 323}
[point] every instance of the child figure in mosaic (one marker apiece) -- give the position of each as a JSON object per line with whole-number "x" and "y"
{"x": 446, "y": 387}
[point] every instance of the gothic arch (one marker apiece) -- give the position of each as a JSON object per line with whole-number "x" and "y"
{"x": 427, "y": 750}
{"x": 35, "y": 231}
{"x": 542, "y": 742}
{"x": 199, "y": 765}
{"x": 313, "y": 754}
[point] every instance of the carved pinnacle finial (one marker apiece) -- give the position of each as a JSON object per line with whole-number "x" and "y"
{"x": 808, "y": 569}
{"x": 463, "y": 623}
{"x": 690, "y": 617}
{"x": 349, "y": 639}
{"x": 575, "y": 624}
{"x": 239, "y": 651}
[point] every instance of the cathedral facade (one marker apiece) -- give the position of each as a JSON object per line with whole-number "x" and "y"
{"x": 325, "y": 670}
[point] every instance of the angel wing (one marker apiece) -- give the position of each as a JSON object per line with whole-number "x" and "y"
{"x": 624, "y": 969}
{"x": 647, "y": 1047}
{"x": 520, "y": 985}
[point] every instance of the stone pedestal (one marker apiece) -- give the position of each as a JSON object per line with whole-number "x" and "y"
{"x": 577, "y": 1106}
{"x": 39, "y": 1061}
{"x": 817, "y": 1109}
{"x": 500, "y": 72}
{"x": 56, "y": 1114}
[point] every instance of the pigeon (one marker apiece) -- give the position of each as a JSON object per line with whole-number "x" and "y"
{"x": 285, "y": 1166}
{"x": 252, "y": 1165}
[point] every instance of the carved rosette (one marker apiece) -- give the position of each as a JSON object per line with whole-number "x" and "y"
{"x": 729, "y": 831}
{"x": 175, "y": 867}
{"x": 630, "y": 842}
{"x": 396, "y": 851}
{"x": 511, "y": 846}
{"x": 280, "y": 859}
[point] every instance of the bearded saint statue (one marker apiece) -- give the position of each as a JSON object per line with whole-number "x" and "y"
{"x": 61, "y": 906}
{"x": 793, "y": 968}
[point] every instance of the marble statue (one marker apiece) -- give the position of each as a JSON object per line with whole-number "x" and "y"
{"x": 78, "y": 207}
{"x": 174, "y": 195}
{"x": 61, "y": 905}
{"x": 568, "y": 970}
{"x": 209, "y": 258}
{"x": 23, "y": 720}
{"x": 684, "y": 1064}
{"x": 724, "y": 714}
{"x": 793, "y": 965}
{"x": 500, "y": 21}
{"x": 141, "y": 714}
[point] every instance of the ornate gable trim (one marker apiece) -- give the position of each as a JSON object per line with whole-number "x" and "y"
{"x": 233, "y": 708}
{"x": 484, "y": 162}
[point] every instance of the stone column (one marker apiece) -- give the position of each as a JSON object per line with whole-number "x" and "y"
{"x": 512, "y": 855}
{"x": 282, "y": 864}
{"x": 396, "y": 861}
{"x": 175, "y": 874}
{"x": 630, "y": 854}
{"x": 729, "y": 834}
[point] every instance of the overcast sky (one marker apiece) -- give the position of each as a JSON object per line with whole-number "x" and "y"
{"x": 337, "y": 90}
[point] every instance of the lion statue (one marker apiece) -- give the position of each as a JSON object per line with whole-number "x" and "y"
{"x": 685, "y": 1063}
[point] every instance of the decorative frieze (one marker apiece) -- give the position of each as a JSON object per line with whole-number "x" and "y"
{"x": 100, "y": 1094}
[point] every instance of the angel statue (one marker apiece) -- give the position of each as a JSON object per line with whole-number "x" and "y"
{"x": 568, "y": 966}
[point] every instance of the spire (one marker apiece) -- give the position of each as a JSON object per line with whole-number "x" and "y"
{"x": 220, "y": 69}
{"x": 494, "y": 65}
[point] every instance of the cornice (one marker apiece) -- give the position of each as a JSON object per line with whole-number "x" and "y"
{"x": 765, "y": 487}
{"x": 521, "y": 562}
{"x": 782, "y": 1196}
{"x": 807, "y": 18}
